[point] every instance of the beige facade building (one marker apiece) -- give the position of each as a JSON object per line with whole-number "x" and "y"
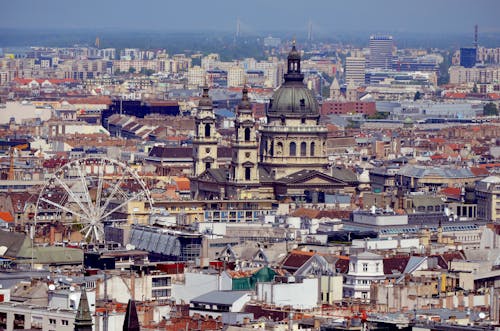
{"x": 355, "y": 70}
{"x": 461, "y": 75}
{"x": 235, "y": 77}
{"x": 488, "y": 199}
{"x": 196, "y": 76}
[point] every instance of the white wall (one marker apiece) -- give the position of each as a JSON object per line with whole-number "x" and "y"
{"x": 298, "y": 295}
{"x": 372, "y": 244}
{"x": 240, "y": 303}
{"x": 22, "y": 112}
{"x": 196, "y": 284}
{"x": 366, "y": 218}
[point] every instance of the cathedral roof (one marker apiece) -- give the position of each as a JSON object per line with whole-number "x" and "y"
{"x": 205, "y": 100}
{"x": 293, "y": 98}
{"x": 245, "y": 103}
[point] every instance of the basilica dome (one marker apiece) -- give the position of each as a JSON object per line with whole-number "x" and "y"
{"x": 293, "y": 98}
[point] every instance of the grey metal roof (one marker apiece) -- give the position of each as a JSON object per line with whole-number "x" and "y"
{"x": 220, "y": 297}
{"x": 444, "y": 172}
{"x": 161, "y": 243}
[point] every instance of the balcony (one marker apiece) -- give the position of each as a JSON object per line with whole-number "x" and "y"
{"x": 294, "y": 129}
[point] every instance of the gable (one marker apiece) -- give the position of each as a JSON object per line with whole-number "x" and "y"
{"x": 312, "y": 177}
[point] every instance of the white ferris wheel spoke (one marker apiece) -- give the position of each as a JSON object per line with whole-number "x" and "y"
{"x": 102, "y": 209}
{"x": 73, "y": 196}
{"x": 85, "y": 189}
{"x": 55, "y": 204}
{"x": 133, "y": 197}
{"x": 101, "y": 171}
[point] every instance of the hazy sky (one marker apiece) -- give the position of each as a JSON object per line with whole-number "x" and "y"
{"x": 327, "y": 16}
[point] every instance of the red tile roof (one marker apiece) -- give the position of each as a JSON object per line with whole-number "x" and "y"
{"x": 6, "y": 216}
{"x": 455, "y": 95}
{"x": 480, "y": 171}
{"x": 295, "y": 260}
{"x": 452, "y": 192}
{"x": 395, "y": 264}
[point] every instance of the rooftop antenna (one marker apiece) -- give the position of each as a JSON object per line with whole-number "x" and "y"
{"x": 475, "y": 36}
{"x": 310, "y": 32}
{"x": 238, "y": 26}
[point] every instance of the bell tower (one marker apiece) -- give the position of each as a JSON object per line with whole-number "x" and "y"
{"x": 205, "y": 140}
{"x": 244, "y": 164}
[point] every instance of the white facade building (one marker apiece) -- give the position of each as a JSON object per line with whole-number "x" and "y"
{"x": 355, "y": 70}
{"x": 235, "y": 77}
{"x": 299, "y": 295}
{"x": 364, "y": 268}
{"x": 196, "y": 77}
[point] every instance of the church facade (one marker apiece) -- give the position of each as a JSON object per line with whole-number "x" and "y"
{"x": 284, "y": 160}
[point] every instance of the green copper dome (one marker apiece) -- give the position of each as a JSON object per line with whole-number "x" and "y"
{"x": 293, "y": 98}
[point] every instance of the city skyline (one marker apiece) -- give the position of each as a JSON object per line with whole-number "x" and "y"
{"x": 325, "y": 17}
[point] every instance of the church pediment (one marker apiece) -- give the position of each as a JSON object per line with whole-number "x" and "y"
{"x": 214, "y": 176}
{"x": 248, "y": 164}
{"x": 311, "y": 177}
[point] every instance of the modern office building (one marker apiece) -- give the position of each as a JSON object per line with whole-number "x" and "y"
{"x": 468, "y": 57}
{"x": 381, "y": 51}
{"x": 355, "y": 70}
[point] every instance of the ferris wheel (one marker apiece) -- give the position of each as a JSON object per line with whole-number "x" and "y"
{"x": 89, "y": 192}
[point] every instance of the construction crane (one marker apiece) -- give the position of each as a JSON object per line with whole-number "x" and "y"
{"x": 12, "y": 152}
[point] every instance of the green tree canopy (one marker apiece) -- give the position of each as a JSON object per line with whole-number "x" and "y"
{"x": 490, "y": 109}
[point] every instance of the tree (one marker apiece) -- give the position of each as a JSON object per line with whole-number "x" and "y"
{"x": 474, "y": 88}
{"x": 417, "y": 96}
{"x": 147, "y": 72}
{"x": 131, "y": 70}
{"x": 490, "y": 109}
{"x": 378, "y": 116}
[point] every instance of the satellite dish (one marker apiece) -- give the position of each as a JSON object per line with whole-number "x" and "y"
{"x": 482, "y": 315}
{"x": 52, "y": 287}
{"x": 72, "y": 288}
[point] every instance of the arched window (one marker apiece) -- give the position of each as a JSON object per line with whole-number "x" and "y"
{"x": 207, "y": 130}
{"x": 313, "y": 146}
{"x": 293, "y": 149}
{"x": 247, "y": 134}
{"x": 303, "y": 149}
{"x": 279, "y": 148}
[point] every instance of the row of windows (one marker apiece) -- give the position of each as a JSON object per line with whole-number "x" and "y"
{"x": 292, "y": 149}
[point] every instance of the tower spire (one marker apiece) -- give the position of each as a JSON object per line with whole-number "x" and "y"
{"x": 131, "y": 322}
{"x": 83, "y": 319}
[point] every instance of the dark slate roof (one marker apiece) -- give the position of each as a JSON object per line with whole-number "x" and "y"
{"x": 13, "y": 241}
{"x": 344, "y": 175}
{"x": 83, "y": 318}
{"x": 131, "y": 322}
{"x": 220, "y": 175}
{"x": 171, "y": 152}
